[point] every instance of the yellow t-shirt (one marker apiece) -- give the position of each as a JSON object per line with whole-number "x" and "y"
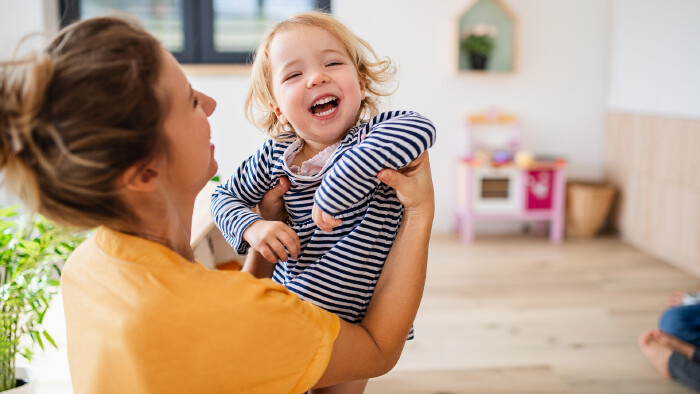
{"x": 142, "y": 319}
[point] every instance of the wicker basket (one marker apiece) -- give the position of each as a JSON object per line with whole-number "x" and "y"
{"x": 587, "y": 207}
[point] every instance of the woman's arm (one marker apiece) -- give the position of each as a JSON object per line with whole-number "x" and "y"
{"x": 373, "y": 347}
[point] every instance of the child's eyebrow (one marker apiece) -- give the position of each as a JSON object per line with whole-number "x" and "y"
{"x": 323, "y": 51}
{"x": 332, "y": 50}
{"x": 291, "y": 63}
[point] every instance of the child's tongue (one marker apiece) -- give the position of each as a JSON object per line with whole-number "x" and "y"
{"x": 323, "y": 107}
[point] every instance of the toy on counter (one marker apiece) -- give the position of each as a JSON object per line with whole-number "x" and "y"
{"x": 501, "y": 157}
{"x": 524, "y": 159}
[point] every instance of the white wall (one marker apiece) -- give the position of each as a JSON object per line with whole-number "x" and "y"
{"x": 558, "y": 89}
{"x": 655, "y": 57}
{"x": 17, "y": 19}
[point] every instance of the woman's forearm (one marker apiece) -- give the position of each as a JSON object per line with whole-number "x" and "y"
{"x": 400, "y": 287}
{"x": 257, "y": 265}
{"x": 373, "y": 347}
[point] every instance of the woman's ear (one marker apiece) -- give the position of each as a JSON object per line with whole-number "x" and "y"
{"x": 140, "y": 177}
{"x": 278, "y": 113}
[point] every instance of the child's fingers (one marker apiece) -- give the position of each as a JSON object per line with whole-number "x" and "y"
{"x": 330, "y": 220}
{"x": 268, "y": 254}
{"x": 291, "y": 241}
{"x": 278, "y": 249}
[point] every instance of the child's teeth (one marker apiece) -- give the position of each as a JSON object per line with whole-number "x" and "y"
{"x": 324, "y": 113}
{"x": 324, "y": 100}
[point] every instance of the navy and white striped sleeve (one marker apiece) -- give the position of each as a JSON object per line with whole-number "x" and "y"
{"x": 393, "y": 140}
{"x": 232, "y": 201}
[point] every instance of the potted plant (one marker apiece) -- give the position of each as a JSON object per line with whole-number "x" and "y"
{"x": 32, "y": 252}
{"x": 477, "y": 42}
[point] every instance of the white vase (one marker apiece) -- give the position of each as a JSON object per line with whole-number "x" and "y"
{"x": 28, "y": 388}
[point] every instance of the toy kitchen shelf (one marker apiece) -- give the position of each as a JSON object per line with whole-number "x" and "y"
{"x": 497, "y": 182}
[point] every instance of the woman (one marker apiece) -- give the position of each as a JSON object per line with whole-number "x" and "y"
{"x": 103, "y": 130}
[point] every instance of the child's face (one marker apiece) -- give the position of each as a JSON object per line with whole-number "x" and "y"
{"x": 314, "y": 83}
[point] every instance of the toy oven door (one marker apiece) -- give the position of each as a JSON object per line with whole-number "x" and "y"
{"x": 497, "y": 191}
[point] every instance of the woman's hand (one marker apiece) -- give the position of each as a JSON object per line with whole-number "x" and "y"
{"x": 413, "y": 185}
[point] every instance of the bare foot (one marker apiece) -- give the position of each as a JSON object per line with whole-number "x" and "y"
{"x": 655, "y": 351}
{"x": 676, "y": 344}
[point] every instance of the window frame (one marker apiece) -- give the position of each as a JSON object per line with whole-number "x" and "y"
{"x": 198, "y": 32}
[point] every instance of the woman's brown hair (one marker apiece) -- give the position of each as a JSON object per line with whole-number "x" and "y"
{"x": 74, "y": 117}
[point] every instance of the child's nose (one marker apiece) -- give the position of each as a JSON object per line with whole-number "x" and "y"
{"x": 317, "y": 78}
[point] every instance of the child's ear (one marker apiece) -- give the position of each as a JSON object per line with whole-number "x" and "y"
{"x": 140, "y": 178}
{"x": 278, "y": 113}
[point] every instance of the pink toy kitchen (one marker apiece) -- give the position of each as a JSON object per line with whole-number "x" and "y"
{"x": 497, "y": 181}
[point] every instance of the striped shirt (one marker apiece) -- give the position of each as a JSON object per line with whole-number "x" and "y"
{"x": 338, "y": 270}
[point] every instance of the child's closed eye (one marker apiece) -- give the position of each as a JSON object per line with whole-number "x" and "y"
{"x": 291, "y": 76}
{"x": 334, "y": 63}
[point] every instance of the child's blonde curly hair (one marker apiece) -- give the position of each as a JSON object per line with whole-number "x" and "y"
{"x": 370, "y": 69}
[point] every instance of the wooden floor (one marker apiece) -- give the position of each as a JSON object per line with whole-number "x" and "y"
{"x": 514, "y": 314}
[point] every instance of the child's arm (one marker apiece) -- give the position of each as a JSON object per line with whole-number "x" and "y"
{"x": 231, "y": 209}
{"x": 393, "y": 140}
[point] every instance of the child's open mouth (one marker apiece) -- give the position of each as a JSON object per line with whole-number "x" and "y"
{"x": 324, "y": 106}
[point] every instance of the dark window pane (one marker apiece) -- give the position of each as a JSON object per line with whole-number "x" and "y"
{"x": 163, "y": 18}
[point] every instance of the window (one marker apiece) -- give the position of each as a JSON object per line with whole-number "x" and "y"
{"x": 199, "y": 31}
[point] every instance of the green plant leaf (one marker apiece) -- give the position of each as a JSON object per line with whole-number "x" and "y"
{"x": 37, "y": 338}
{"x": 48, "y": 338}
{"x": 32, "y": 251}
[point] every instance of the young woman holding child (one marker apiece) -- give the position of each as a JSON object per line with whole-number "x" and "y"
{"x": 102, "y": 129}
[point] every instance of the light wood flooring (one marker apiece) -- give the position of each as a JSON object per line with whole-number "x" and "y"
{"x": 514, "y": 314}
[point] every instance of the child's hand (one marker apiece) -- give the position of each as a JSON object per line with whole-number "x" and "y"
{"x": 270, "y": 238}
{"x": 323, "y": 220}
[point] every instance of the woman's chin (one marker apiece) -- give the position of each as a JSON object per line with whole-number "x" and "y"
{"x": 213, "y": 168}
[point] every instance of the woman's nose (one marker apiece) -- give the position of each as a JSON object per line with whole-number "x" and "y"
{"x": 317, "y": 78}
{"x": 208, "y": 104}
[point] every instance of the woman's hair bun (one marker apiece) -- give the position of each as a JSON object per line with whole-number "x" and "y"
{"x": 23, "y": 85}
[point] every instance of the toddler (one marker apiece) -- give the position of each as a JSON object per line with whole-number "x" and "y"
{"x": 314, "y": 90}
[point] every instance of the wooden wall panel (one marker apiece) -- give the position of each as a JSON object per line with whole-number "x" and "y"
{"x": 655, "y": 163}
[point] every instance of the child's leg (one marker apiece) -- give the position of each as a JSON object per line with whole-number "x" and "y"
{"x": 682, "y": 322}
{"x": 353, "y": 387}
